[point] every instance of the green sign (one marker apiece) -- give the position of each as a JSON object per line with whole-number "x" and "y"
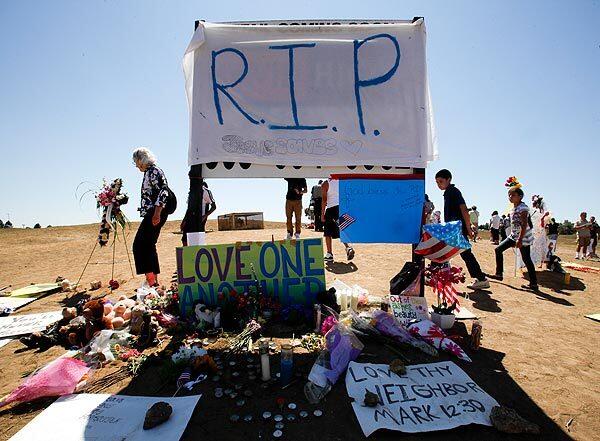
{"x": 290, "y": 270}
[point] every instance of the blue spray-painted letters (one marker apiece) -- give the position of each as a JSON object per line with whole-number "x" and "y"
{"x": 297, "y": 125}
{"x": 223, "y": 87}
{"x": 358, "y": 83}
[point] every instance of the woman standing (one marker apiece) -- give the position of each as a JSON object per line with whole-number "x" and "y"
{"x": 521, "y": 237}
{"x": 155, "y": 194}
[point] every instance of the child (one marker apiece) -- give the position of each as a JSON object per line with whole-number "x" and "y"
{"x": 584, "y": 235}
{"x": 521, "y": 237}
{"x": 455, "y": 209}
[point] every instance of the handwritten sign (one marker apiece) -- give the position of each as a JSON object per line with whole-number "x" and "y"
{"x": 429, "y": 397}
{"x": 409, "y": 308}
{"x": 291, "y": 271}
{"x": 26, "y": 324}
{"x": 381, "y": 210}
{"x": 309, "y": 95}
{"x": 106, "y": 417}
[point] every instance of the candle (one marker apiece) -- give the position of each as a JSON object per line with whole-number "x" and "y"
{"x": 287, "y": 363}
{"x": 264, "y": 359}
{"x": 344, "y": 299}
{"x": 354, "y": 299}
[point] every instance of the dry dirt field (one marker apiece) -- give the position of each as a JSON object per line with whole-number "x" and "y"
{"x": 540, "y": 354}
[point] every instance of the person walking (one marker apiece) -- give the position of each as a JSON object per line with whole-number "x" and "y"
{"x": 584, "y": 235}
{"x": 521, "y": 237}
{"x": 455, "y": 209}
{"x": 495, "y": 227}
{"x": 593, "y": 237}
{"x": 155, "y": 196}
{"x": 199, "y": 208}
{"x": 317, "y": 197}
{"x": 330, "y": 213}
{"x": 474, "y": 219}
{"x": 504, "y": 223}
{"x": 293, "y": 205}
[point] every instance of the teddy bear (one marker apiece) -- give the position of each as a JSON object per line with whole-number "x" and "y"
{"x": 119, "y": 313}
{"x": 137, "y": 319}
{"x": 148, "y": 331}
{"x": 95, "y": 321}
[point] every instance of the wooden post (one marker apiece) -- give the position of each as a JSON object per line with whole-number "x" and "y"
{"x": 416, "y": 258}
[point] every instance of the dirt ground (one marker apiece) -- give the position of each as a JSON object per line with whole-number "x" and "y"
{"x": 540, "y": 354}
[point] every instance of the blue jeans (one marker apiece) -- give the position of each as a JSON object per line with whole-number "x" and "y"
{"x": 525, "y": 254}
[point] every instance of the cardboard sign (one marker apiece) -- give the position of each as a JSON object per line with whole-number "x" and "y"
{"x": 26, "y": 324}
{"x": 381, "y": 210}
{"x": 409, "y": 308}
{"x": 309, "y": 95}
{"x": 429, "y": 397}
{"x": 104, "y": 417}
{"x": 290, "y": 270}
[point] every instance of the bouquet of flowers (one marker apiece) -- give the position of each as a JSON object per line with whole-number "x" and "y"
{"x": 442, "y": 278}
{"x": 512, "y": 182}
{"x": 109, "y": 199}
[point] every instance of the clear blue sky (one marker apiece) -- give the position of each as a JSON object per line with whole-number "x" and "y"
{"x": 515, "y": 89}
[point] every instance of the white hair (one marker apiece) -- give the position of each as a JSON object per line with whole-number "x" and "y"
{"x": 144, "y": 156}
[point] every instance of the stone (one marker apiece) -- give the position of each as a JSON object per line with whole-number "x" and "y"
{"x": 157, "y": 414}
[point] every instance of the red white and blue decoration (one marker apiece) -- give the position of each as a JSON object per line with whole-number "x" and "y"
{"x": 441, "y": 242}
{"x": 345, "y": 221}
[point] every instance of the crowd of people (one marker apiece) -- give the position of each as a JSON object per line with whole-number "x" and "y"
{"x": 514, "y": 230}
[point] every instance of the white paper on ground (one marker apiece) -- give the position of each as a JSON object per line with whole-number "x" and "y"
{"x": 15, "y": 302}
{"x": 105, "y": 417}
{"x": 14, "y": 325}
{"x": 428, "y": 397}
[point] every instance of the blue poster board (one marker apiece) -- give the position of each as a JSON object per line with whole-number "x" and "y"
{"x": 376, "y": 210}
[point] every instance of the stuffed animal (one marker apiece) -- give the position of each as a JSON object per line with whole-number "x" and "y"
{"x": 51, "y": 335}
{"x": 122, "y": 313}
{"x": 148, "y": 332}
{"x": 93, "y": 312}
{"x": 137, "y": 319}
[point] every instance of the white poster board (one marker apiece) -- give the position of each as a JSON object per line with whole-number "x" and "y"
{"x": 409, "y": 308}
{"x": 14, "y": 325}
{"x": 15, "y": 302}
{"x": 429, "y": 397}
{"x": 309, "y": 95}
{"x": 104, "y": 417}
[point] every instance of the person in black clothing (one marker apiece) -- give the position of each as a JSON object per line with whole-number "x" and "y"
{"x": 154, "y": 198}
{"x": 503, "y": 222}
{"x": 455, "y": 209}
{"x": 317, "y": 198}
{"x": 293, "y": 204}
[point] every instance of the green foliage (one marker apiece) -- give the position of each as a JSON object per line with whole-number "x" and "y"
{"x": 566, "y": 228}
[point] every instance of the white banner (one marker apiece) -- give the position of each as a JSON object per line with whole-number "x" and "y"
{"x": 103, "y": 417}
{"x": 14, "y": 325}
{"x": 331, "y": 95}
{"x": 429, "y": 397}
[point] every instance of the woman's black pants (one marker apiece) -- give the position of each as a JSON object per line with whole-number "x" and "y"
{"x": 525, "y": 254}
{"x": 144, "y": 244}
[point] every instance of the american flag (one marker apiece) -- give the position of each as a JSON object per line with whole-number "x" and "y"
{"x": 185, "y": 377}
{"x": 345, "y": 221}
{"x": 441, "y": 242}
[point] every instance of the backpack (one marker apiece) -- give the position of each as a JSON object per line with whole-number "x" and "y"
{"x": 171, "y": 204}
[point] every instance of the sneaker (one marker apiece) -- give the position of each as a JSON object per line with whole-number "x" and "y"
{"x": 496, "y": 277}
{"x": 530, "y": 287}
{"x": 350, "y": 253}
{"x": 479, "y": 284}
{"x": 289, "y": 236}
{"x": 328, "y": 257}
{"x": 297, "y": 236}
